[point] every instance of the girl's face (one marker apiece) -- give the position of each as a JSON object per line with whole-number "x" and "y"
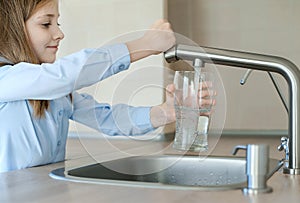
{"x": 44, "y": 32}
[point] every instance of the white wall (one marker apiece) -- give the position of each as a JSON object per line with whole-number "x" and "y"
{"x": 93, "y": 23}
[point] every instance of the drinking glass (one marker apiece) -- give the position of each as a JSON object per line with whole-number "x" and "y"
{"x": 193, "y": 101}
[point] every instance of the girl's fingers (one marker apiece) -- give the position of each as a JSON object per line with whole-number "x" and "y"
{"x": 207, "y": 102}
{"x": 157, "y": 23}
{"x": 205, "y": 85}
{"x": 207, "y": 93}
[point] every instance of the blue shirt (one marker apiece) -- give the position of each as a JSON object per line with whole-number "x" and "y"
{"x": 26, "y": 140}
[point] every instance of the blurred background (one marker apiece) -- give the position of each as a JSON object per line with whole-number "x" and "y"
{"x": 262, "y": 26}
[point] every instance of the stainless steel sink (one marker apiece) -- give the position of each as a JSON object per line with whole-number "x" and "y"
{"x": 166, "y": 171}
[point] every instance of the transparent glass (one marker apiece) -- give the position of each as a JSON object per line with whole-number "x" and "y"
{"x": 193, "y": 104}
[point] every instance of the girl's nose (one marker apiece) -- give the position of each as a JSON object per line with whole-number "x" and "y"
{"x": 59, "y": 34}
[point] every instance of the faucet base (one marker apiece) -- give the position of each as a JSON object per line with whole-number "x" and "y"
{"x": 291, "y": 171}
{"x": 251, "y": 191}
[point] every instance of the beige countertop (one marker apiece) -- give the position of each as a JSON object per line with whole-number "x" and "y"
{"x": 35, "y": 185}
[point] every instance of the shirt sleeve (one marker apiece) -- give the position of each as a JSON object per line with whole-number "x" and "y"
{"x": 50, "y": 81}
{"x": 118, "y": 119}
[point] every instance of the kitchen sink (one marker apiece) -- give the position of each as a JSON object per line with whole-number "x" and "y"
{"x": 166, "y": 171}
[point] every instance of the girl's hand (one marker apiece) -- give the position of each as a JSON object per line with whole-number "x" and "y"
{"x": 159, "y": 38}
{"x": 165, "y": 113}
{"x": 206, "y": 98}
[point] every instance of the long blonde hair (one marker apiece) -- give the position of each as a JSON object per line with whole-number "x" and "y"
{"x": 14, "y": 42}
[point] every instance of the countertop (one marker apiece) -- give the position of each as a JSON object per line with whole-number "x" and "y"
{"x": 35, "y": 185}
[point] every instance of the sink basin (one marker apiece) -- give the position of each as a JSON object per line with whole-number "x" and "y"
{"x": 166, "y": 171}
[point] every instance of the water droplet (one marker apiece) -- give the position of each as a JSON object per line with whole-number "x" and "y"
{"x": 228, "y": 181}
{"x": 173, "y": 180}
{"x": 200, "y": 181}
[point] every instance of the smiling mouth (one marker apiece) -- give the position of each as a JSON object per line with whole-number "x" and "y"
{"x": 52, "y": 47}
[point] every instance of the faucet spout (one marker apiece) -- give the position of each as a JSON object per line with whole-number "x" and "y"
{"x": 256, "y": 62}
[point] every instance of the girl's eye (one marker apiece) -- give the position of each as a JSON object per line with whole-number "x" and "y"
{"x": 46, "y": 24}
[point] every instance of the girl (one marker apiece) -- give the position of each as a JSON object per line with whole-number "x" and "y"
{"x": 38, "y": 93}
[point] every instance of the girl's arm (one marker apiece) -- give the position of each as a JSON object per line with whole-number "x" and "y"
{"x": 119, "y": 119}
{"x": 157, "y": 39}
{"x": 50, "y": 81}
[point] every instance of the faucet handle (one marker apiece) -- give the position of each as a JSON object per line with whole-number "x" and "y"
{"x": 245, "y": 77}
{"x": 237, "y": 148}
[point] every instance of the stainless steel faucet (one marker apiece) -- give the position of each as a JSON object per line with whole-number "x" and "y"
{"x": 257, "y": 62}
